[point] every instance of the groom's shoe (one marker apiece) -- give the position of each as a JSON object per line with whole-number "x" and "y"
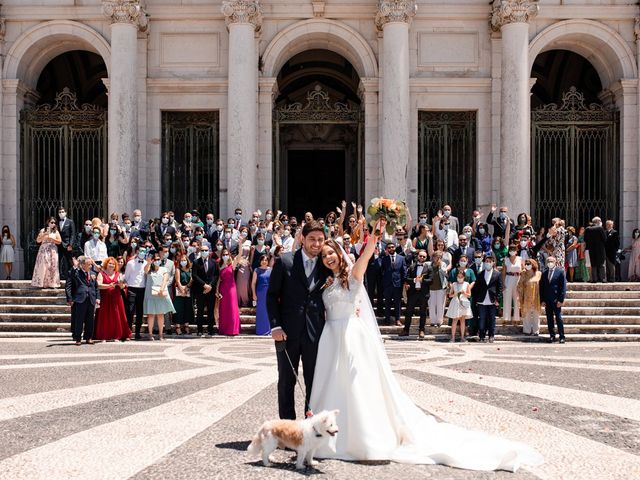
{"x": 421, "y": 335}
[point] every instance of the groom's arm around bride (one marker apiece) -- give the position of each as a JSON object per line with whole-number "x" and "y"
{"x": 296, "y": 313}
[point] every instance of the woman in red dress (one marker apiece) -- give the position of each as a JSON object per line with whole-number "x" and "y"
{"x": 111, "y": 320}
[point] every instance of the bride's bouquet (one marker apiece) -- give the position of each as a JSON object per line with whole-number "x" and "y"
{"x": 393, "y": 211}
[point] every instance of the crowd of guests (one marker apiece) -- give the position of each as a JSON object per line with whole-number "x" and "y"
{"x": 204, "y": 270}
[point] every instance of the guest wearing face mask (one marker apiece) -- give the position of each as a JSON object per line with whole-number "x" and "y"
{"x": 553, "y": 289}
{"x": 229, "y": 323}
{"x": 113, "y": 241}
{"x": 217, "y": 253}
{"x": 595, "y": 237}
{"x": 500, "y": 223}
{"x": 111, "y": 319}
{"x": 477, "y": 268}
{"x": 393, "y": 277}
{"x": 135, "y": 281}
{"x": 183, "y": 302}
{"x": 165, "y": 228}
{"x": 260, "y": 286}
{"x": 237, "y": 219}
{"x": 286, "y": 240}
{"x": 45, "y": 271}
{"x": 210, "y": 229}
{"x": 67, "y": 229}
{"x": 206, "y": 274}
{"x": 438, "y": 288}
{"x": 572, "y": 252}
{"x": 463, "y": 266}
{"x": 446, "y": 233}
{"x": 186, "y": 227}
{"x": 486, "y": 290}
{"x": 83, "y": 237}
{"x": 170, "y": 267}
{"x": 529, "y": 293}
{"x": 7, "y": 253}
{"x": 463, "y": 249}
{"x": 231, "y": 243}
{"x": 484, "y": 238}
{"x": 510, "y": 276}
{"x": 157, "y": 302}
{"x": 523, "y": 226}
{"x": 96, "y": 249}
{"x": 523, "y": 246}
{"x": 460, "y": 306}
{"x": 243, "y": 271}
{"x": 454, "y": 223}
{"x": 198, "y": 234}
{"x": 139, "y": 227}
{"x": 472, "y": 241}
{"x": 417, "y": 282}
{"x": 257, "y": 251}
{"x": 424, "y": 239}
{"x": 634, "y": 256}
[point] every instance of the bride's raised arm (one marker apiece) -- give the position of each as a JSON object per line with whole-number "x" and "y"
{"x": 360, "y": 267}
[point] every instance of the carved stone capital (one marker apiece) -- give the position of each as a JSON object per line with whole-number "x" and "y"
{"x": 395, "y": 11}
{"x": 126, "y": 11}
{"x": 512, "y": 11}
{"x": 636, "y": 29}
{"x": 243, "y": 11}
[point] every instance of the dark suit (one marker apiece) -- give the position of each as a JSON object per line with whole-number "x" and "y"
{"x": 373, "y": 281}
{"x": 499, "y": 225}
{"x": 458, "y": 252}
{"x": 294, "y": 303}
{"x": 393, "y": 277}
{"x": 487, "y": 313}
{"x": 611, "y": 246}
{"x": 553, "y": 291}
{"x": 82, "y": 290}
{"x": 202, "y": 277}
{"x": 417, "y": 297}
{"x": 162, "y": 230}
{"x": 595, "y": 237}
{"x": 68, "y": 234}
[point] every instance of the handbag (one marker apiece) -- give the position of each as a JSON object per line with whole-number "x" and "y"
{"x": 156, "y": 292}
{"x": 464, "y": 302}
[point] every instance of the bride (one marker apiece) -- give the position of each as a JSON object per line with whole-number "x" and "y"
{"x": 377, "y": 419}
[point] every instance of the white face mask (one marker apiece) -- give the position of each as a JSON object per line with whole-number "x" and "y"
{"x": 460, "y": 280}
{"x": 183, "y": 263}
{"x": 463, "y": 263}
{"x": 523, "y": 244}
{"x": 528, "y": 267}
{"x": 225, "y": 258}
{"x": 62, "y": 215}
{"x": 512, "y": 253}
{"x": 551, "y": 265}
{"x": 137, "y": 218}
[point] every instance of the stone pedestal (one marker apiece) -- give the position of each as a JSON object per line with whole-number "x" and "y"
{"x": 511, "y": 17}
{"x": 243, "y": 20}
{"x": 126, "y": 18}
{"x": 393, "y": 20}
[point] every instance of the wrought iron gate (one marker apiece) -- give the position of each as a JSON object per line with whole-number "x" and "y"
{"x": 447, "y": 162}
{"x": 190, "y": 161}
{"x": 574, "y": 161}
{"x": 63, "y": 162}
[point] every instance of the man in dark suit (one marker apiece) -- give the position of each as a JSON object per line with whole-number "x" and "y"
{"x": 296, "y": 314}
{"x": 477, "y": 268}
{"x": 230, "y": 243}
{"x": 373, "y": 281}
{"x": 611, "y": 247}
{"x": 164, "y": 228}
{"x": 67, "y": 230}
{"x": 463, "y": 249}
{"x": 553, "y": 289}
{"x": 485, "y": 292}
{"x": 394, "y": 272}
{"x": 595, "y": 237}
{"x": 500, "y": 222}
{"x": 82, "y": 294}
{"x": 205, "y": 280}
{"x": 419, "y": 276}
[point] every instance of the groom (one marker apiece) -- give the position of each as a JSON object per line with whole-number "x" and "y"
{"x": 296, "y": 313}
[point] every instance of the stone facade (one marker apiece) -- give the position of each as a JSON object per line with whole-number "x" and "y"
{"x": 410, "y": 56}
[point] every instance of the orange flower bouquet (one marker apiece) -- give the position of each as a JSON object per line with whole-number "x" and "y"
{"x": 394, "y": 211}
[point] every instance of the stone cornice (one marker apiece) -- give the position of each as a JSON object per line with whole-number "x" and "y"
{"x": 512, "y": 11}
{"x": 395, "y": 11}
{"x": 243, "y": 11}
{"x": 125, "y": 11}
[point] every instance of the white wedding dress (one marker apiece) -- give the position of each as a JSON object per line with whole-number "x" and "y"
{"x": 377, "y": 420}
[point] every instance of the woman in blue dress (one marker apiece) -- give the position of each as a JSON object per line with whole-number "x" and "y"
{"x": 260, "y": 285}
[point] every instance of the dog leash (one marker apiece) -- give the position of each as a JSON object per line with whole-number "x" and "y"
{"x": 281, "y": 346}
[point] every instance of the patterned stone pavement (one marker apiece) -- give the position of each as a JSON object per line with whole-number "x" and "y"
{"x": 186, "y": 409}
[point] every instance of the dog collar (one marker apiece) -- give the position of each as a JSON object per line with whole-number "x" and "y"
{"x": 318, "y": 434}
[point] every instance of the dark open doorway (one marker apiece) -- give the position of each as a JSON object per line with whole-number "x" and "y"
{"x": 315, "y": 181}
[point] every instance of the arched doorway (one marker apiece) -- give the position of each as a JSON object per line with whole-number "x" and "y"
{"x": 318, "y": 134}
{"x": 63, "y": 145}
{"x": 574, "y": 142}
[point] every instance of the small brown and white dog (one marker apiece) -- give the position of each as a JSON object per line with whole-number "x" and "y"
{"x": 303, "y": 436}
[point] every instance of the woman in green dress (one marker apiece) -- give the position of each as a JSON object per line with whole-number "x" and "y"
{"x": 156, "y": 296}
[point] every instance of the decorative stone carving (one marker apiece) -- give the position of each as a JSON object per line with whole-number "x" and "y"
{"x": 512, "y": 11}
{"x": 395, "y": 11}
{"x": 243, "y": 11}
{"x": 636, "y": 29}
{"x": 317, "y": 109}
{"x": 3, "y": 26}
{"x": 318, "y": 8}
{"x": 126, "y": 11}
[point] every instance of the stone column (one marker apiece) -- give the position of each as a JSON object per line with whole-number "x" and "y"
{"x": 511, "y": 18}
{"x": 126, "y": 18}
{"x": 636, "y": 31}
{"x": 244, "y": 19}
{"x": 393, "y": 18}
